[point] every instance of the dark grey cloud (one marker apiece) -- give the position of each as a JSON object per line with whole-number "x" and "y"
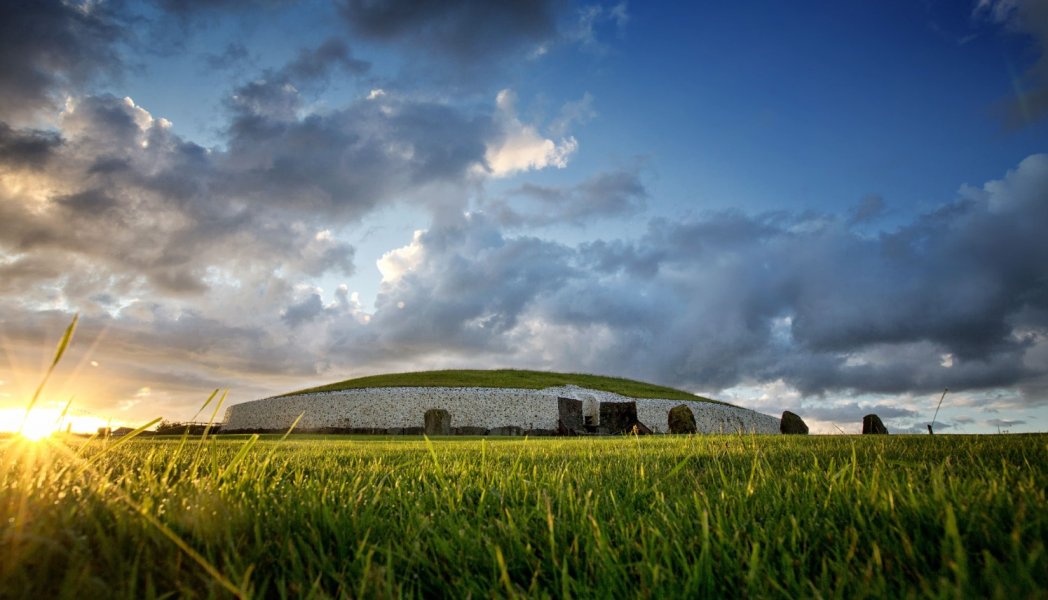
{"x": 612, "y": 194}
{"x": 48, "y": 47}
{"x": 277, "y": 92}
{"x": 468, "y": 32}
{"x": 189, "y": 9}
{"x": 312, "y": 65}
{"x": 347, "y": 161}
{"x": 26, "y": 148}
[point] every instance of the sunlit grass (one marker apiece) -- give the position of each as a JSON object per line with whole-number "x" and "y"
{"x": 669, "y": 516}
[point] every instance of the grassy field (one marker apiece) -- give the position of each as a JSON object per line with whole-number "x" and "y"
{"x": 509, "y": 378}
{"x": 666, "y": 516}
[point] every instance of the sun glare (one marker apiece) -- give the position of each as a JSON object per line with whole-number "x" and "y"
{"x": 44, "y": 421}
{"x": 38, "y": 426}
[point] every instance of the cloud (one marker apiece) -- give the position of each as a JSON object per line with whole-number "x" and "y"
{"x": 520, "y": 146}
{"x": 465, "y": 32}
{"x": 593, "y": 17}
{"x": 346, "y": 162}
{"x": 1030, "y": 18}
{"x": 398, "y": 262}
{"x": 728, "y": 298}
{"x": 276, "y": 94}
{"x": 50, "y": 48}
{"x": 187, "y": 10}
{"x": 119, "y": 175}
{"x": 870, "y": 208}
{"x": 612, "y": 194}
{"x": 1005, "y": 422}
{"x": 26, "y": 148}
{"x": 708, "y": 303}
{"x": 576, "y": 111}
{"x": 312, "y": 65}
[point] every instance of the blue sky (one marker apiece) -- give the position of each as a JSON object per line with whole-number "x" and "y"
{"x": 832, "y": 208}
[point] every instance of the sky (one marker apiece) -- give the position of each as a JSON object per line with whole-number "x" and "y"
{"x": 833, "y": 208}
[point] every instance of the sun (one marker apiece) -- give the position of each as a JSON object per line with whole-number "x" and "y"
{"x": 38, "y": 425}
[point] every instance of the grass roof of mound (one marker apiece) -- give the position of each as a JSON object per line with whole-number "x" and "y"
{"x": 509, "y": 378}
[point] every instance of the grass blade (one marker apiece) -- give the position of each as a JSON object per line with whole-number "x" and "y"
{"x": 59, "y": 351}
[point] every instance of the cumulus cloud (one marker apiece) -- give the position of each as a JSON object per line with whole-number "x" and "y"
{"x": 398, "y": 262}
{"x": 520, "y": 147}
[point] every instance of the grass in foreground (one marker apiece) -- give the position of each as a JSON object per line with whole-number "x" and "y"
{"x": 693, "y": 516}
{"x": 509, "y": 378}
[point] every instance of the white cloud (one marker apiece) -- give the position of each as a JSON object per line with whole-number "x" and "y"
{"x": 522, "y": 147}
{"x": 397, "y": 262}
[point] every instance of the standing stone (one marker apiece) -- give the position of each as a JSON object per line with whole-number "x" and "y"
{"x": 438, "y": 422}
{"x": 682, "y": 420}
{"x": 792, "y": 424}
{"x": 569, "y": 412}
{"x": 871, "y": 424}
{"x": 617, "y": 417}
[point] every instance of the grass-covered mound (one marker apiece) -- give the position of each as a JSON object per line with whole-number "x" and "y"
{"x": 509, "y": 378}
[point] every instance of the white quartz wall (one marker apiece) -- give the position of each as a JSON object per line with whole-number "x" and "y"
{"x": 473, "y": 407}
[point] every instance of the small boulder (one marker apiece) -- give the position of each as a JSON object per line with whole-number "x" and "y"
{"x": 437, "y": 422}
{"x": 792, "y": 424}
{"x": 682, "y": 420}
{"x": 871, "y": 424}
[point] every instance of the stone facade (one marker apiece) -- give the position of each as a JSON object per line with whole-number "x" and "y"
{"x": 404, "y": 408}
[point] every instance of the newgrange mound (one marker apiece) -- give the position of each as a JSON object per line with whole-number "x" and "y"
{"x": 491, "y": 402}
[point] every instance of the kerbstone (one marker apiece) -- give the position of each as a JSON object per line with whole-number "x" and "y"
{"x": 872, "y": 424}
{"x": 792, "y": 424}
{"x": 438, "y": 422}
{"x": 681, "y": 420}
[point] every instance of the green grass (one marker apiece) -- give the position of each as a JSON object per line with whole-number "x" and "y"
{"x": 509, "y": 378}
{"x": 660, "y": 516}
